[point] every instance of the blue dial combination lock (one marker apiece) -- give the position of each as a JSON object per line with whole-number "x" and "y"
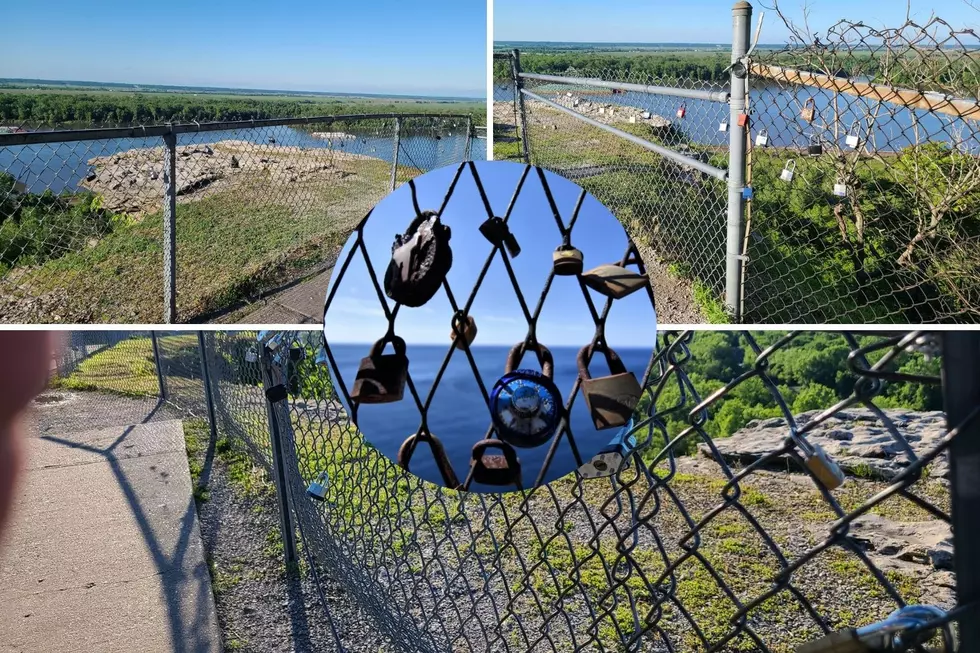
{"x": 525, "y": 405}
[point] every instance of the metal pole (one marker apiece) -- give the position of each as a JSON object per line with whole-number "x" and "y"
{"x": 515, "y": 65}
{"x": 961, "y": 396}
{"x": 469, "y": 138}
{"x": 206, "y": 376}
{"x": 170, "y": 229}
{"x": 394, "y": 156}
{"x": 275, "y": 392}
{"x": 742, "y": 19}
{"x": 159, "y": 364}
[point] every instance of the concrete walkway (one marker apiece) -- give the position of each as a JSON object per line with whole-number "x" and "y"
{"x": 301, "y": 304}
{"x": 104, "y": 551}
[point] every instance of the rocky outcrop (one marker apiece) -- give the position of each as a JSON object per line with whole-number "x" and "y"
{"x": 611, "y": 114}
{"x": 855, "y": 438}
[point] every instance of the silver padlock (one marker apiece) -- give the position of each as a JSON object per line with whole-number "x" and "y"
{"x": 251, "y": 356}
{"x": 723, "y": 127}
{"x": 788, "y": 171}
{"x": 762, "y": 138}
{"x": 318, "y": 488}
{"x": 827, "y": 472}
{"x": 904, "y": 629}
{"x": 614, "y": 457}
{"x": 853, "y": 138}
{"x": 840, "y": 189}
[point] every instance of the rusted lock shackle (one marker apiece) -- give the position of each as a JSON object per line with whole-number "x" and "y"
{"x": 498, "y": 475}
{"x": 615, "y": 363}
{"x": 545, "y": 359}
{"x": 381, "y": 377}
{"x": 397, "y": 342}
{"x": 445, "y": 467}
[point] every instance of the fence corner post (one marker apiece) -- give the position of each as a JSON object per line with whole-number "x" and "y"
{"x": 394, "y": 155}
{"x": 741, "y": 25}
{"x": 206, "y": 377}
{"x": 159, "y": 364}
{"x": 275, "y": 394}
{"x": 515, "y": 66}
{"x": 170, "y": 228}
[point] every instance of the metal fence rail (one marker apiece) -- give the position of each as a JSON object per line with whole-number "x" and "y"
{"x": 853, "y": 161}
{"x": 696, "y": 545}
{"x": 189, "y": 221}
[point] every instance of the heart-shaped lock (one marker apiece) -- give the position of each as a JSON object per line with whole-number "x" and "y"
{"x": 525, "y": 405}
{"x": 381, "y": 377}
{"x": 611, "y": 399}
{"x": 420, "y": 260}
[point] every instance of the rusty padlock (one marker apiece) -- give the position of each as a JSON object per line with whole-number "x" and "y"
{"x": 407, "y": 451}
{"x": 568, "y": 261}
{"x": 495, "y": 469}
{"x": 611, "y": 399}
{"x": 809, "y": 111}
{"x": 525, "y": 405}
{"x": 827, "y": 472}
{"x": 381, "y": 377}
{"x": 614, "y": 281}
{"x": 467, "y": 329}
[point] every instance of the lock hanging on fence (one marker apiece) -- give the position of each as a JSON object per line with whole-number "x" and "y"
{"x": 466, "y": 329}
{"x": 318, "y": 488}
{"x": 789, "y": 170}
{"x": 723, "y": 127}
{"x": 762, "y": 138}
{"x": 682, "y": 111}
{"x": 611, "y": 399}
{"x": 614, "y": 457}
{"x": 420, "y": 260}
{"x": 840, "y": 188}
{"x": 499, "y": 469}
{"x": 853, "y": 139}
{"x": 742, "y": 120}
{"x": 525, "y": 405}
{"x": 809, "y": 112}
{"x": 816, "y": 146}
{"x": 827, "y": 472}
{"x": 895, "y": 633}
{"x": 445, "y": 467}
{"x": 568, "y": 261}
{"x": 381, "y": 377}
{"x": 498, "y": 233}
{"x": 614, "y": 281}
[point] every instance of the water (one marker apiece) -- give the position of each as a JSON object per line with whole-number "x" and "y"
{"x": 458, "y": 415}
{"x": 777, "y": 110}
{"x": 62, "y": 166}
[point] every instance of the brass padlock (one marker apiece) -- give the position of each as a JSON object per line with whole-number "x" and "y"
{"x": 567, "y": 261}
{"x": 827, "y": 472}
{"x": 611, "y": 399}
{"x": 809, "y": 111}
{"x": 614, "y": 281}
{"x": 381, "y": 377}
{"x": 467, "y": 329}
{"x": 495, "y": 469}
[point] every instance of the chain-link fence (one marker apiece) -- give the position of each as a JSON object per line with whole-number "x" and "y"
{"x": 728, "y": 530}
{"x": 860, "y": 150}
{"x": 191, "y": 222}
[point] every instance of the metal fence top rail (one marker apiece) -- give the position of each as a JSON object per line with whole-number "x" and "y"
{"x": 689, "y": 93}
{"x": 106, "y": 133}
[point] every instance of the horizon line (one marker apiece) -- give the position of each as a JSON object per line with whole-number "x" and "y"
{"x": 475, "y": 346}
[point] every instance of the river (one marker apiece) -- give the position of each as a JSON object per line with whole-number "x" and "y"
{"x": 62, "y": 166}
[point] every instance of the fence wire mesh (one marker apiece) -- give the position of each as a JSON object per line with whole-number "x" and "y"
{"x": 84, "y": 220}
{"x": 864, "y": 211}
{"x": 719, "y": 537}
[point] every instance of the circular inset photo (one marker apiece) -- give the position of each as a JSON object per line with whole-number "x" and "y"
{"x": 489, "y": 327}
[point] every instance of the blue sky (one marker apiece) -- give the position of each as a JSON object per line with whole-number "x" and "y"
{"x": 413, "y": 47}
{"x": 696, "y": 21}
{"x": 356, "y": 316}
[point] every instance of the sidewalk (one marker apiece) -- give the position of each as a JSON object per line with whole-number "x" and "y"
{"x": 301, "y": 304}
{"x": 104, "y": 551}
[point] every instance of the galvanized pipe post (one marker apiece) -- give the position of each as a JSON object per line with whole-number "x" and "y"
{"x": 206, "y": 377}
{"x": 469, "y": 138}
{"x": 170, "y": 228}
{"x": 515, "y": 65}
{"x": 394, "y": 156}
{"x": 275, "y": 393}
{"x": 159, "y": 364}
{"x": 742, "y": 23}
{"x": 961, "y": 396}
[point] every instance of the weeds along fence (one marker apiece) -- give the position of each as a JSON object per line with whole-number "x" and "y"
{"x": 186, "y": 222}
{"x": 704, "y": 541}
{"x": 835, "y": 180}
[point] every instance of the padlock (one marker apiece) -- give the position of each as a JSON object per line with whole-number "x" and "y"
{"x": 816, "y": 146}
{"x": 853, "y": 138}
{"x": 611, "y": 399}
{"x": 788, "y": 171}
{"x": 568, "y": 261}
{"x": 445, "y": 467}
{"x": 613, "y": 457}
{"x": 420, "y": 260}
{"x": 904, "y": 629}
{"x": 318, "y": 488}
{"x": 525, "y": 405}
{"x": 748, "y": 193}
{"x": 840, "y": 189}
{"x": 496, "y": 231}
{"x": 809, "y": 111}
{"x": 762, "y": 138}
{"x": 467, "y": 329}
{"x": 614, "y": 281}
{"x": 381, "y": 377}
{"x": 251, "y": 356}
{"x": 827, "y": 472}
{"x": 297, "y": 353}
{"x": 495, "y": 469}
{"x": 682, "y": 111}
{"x": 743, "y": 120}
{"x": 723, "y": 127}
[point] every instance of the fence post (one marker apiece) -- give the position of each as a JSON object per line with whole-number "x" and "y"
{"x": 961, "y": 396}
{"x": 159, "y": 364}
{"x": 394, "y": 156}
{"x": 275, "y": 393}
{"x": 515, "y": 66}
{"x": 742, "y": 23}
{"x": 170, "y": 228}
{"x": 206, "y": 376}
{"x": 469, "y": 138}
